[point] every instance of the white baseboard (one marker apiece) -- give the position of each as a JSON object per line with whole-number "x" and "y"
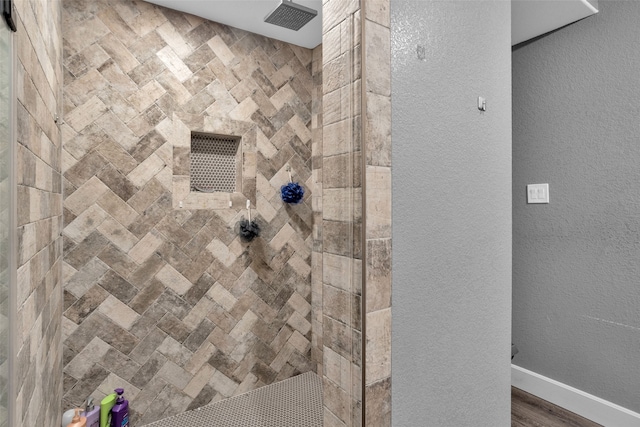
{"x": 584, "y": 404}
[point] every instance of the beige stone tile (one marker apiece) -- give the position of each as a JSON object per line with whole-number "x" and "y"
{"x": 378, "y": 56}
{"x": 199, "y": 312}
{"x": 378, "y": 403}
{"x": 200, "y": 357}
{"x": 337, "y": 304}
{"x": 117, "y": 130}
{"x": 331, "y": 42}
{"x": 119, "y": 53}
{"x": 146, "y": 95}
{"x": 118, "y": 80}
{"x": 171, "y": 278}
{"x": 83, "y": 88}
{"x": 300, "y": 128}
{"x": 264, "y": 208}
{"x": 174, "y": 39}
{"x": 199, "y": 380}
{"x": 335, "y": 73}
{"x": 299, "y": 265}
{"x": 336, "y": 138}
{"x": 336, "y": 401}
{"x": 85, "y": 223}
{"x": 222, "y": 51}
{"x": 85, "y": 114}
{"x": 282, "y": 237}
{"x": 333, "y": 271}
{"x": 299, "y": 304}
{"x": 299, "y": 323}
{"x": 146, "y": 247}
{"x": 174, "y": 351}
{"x": 378, "y": 202}
{"x": 282, "y": 358}
{"x": 299, "y": 342}
{"x": 222, "y": 296}
{"x": 117, "y": 156}
{"x": 223, "y": 384}
{"x": 244, "y": 110}
{"x": 284, "y": 95}
{"x": 378, "y": 344}
{"x": 117, "y": 208}
{"x": 116, "y": 24}
{"x": 174, "y": 63}
{"x": 175, "y": 375}
{"x": 332, "y": 106}
{"x": 173, "y": 86}
{"x": 378, "y": 274}
{"x": 243, "y": 326}
{"x": 86, "y": 195}
{"x": 79, "y": 38}
{"x": 117, "y": 234}
{"x": 339, "y": 204}
{"x": 147, "y": 21}
{"x": 378, "y": 130}
{"x": 378, "y": 12}
{"x": 332, "y": 365}
{"x": 221, "y": 252}
{"x": 181, "y": 187}
{"x": 118, "y": 312}
{"x": 331, "y": 420}
{"x": 146, "y": 170}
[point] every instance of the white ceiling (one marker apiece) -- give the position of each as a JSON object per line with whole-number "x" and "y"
{"x": 529, "y": 18}
{"x": 249, "y": 15}
{"x": 532, "y": 18}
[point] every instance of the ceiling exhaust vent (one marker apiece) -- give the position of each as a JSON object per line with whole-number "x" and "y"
{"x": 290, "y": 15}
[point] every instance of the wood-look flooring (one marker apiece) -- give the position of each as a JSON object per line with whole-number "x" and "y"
{"x": 530, "y": 411}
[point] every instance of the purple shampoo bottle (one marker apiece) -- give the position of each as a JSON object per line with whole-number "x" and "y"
{"x": 120, "y": 412}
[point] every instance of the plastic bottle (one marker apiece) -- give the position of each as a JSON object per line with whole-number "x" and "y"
{"x": 120, "y": 412}
{"x": 105, "y": 410}
{"x": 92, "y": 413}
{"x": 67, "y": 417}
{"x": 77, "y": 420}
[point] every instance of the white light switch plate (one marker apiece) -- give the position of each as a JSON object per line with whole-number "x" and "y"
{"x": 538, "y": 193}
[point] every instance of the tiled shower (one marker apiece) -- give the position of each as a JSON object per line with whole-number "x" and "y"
{"x": 171, "y": 303}
{"x": 129, "y": 281}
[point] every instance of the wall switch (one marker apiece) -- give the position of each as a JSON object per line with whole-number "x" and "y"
{"x": 538, "y": 193}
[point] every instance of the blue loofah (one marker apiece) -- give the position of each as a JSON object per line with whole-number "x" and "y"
{"x": 292, "y": 193}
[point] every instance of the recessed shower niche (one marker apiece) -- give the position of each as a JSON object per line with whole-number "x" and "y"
{"x": 214, "y": 162}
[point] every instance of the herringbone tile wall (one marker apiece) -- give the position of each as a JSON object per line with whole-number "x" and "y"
{"x": 169, "y": 303}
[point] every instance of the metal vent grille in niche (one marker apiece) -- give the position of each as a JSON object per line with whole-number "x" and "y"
{"x": 215, "y": 163}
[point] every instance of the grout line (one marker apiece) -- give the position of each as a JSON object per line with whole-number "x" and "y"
{"x": 363, "y": 232}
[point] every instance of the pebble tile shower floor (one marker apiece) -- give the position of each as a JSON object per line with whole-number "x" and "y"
{"x": 295, "y": 402}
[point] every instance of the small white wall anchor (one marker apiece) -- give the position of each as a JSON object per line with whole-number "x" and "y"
{"x": 482, "y": 104}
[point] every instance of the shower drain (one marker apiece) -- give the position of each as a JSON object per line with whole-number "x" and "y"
{"x": 295, "y": 402}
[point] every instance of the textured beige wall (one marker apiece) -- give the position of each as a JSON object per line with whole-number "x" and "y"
{"x": 168, "y": 302}
{"x": 38, "y": 85}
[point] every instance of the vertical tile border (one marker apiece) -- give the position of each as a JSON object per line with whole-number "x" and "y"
{"x": 377, "y": 245}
